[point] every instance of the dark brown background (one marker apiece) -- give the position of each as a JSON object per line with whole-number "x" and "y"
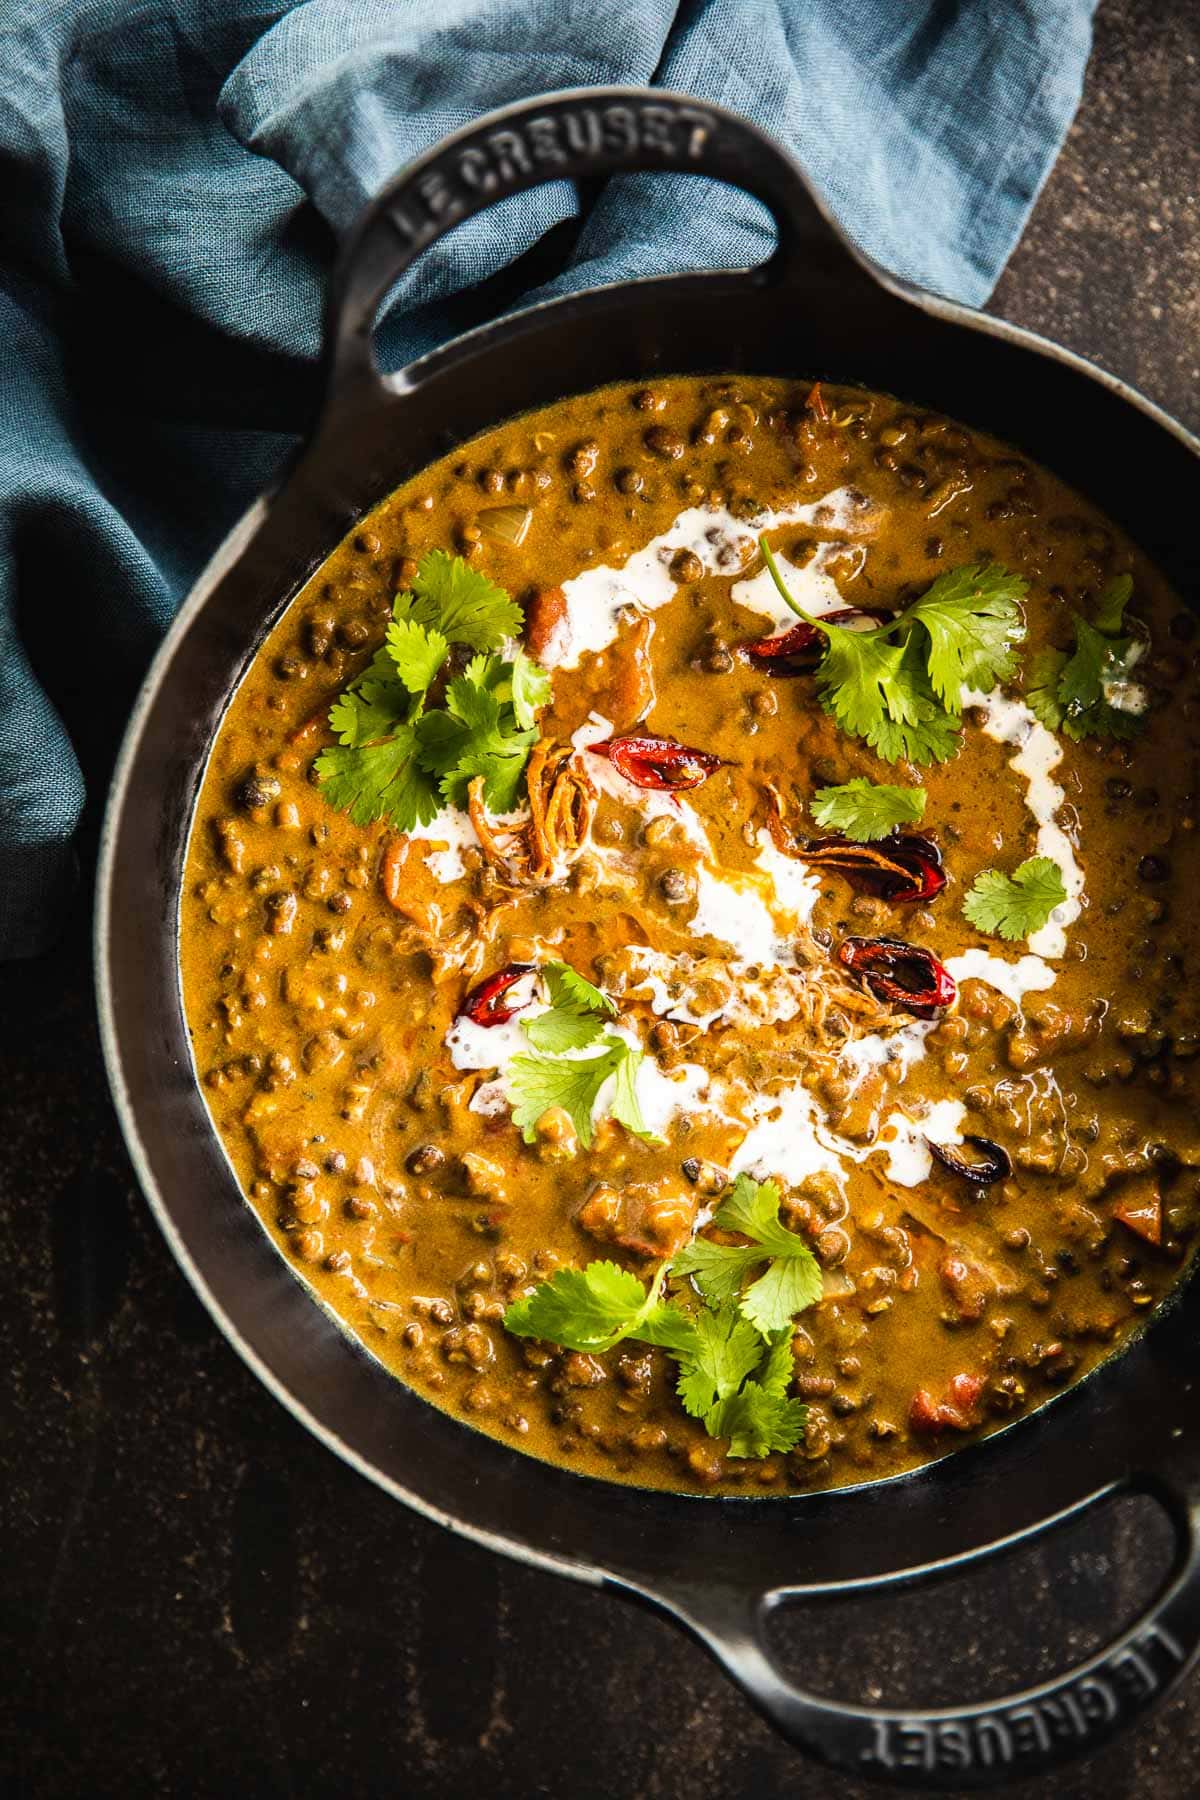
{"x": 196, "y": 1600}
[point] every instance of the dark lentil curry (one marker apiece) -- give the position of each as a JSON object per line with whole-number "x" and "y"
{"x": 783, "y": 994}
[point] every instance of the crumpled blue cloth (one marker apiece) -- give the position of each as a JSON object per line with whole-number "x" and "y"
{"x": 173, "y": 177}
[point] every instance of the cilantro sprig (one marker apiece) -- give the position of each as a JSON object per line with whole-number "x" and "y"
{"x": 1069, "y": 691}
{"x": 559, "y": 1074}
{"x": 865, "y": 811}
{"x": 729, "y": 1375}
{"x": 593, "y": 1309}
{"x": 402, "y": 758}
{"x": 792, "y": 1279}
{"x": 1015, "y": 906}
{"x": 900, "y": 686}
{"x": 758, "y": 1417}
{"x": 734, "y": 1353}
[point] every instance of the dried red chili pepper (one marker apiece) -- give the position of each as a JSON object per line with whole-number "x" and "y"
{"x": 796, "y": 651}
{"x": 484, "y": 1005}
{"x": 816, "y": 401}
{"x": 906, "y": 867}
{"x": 907, "y": 975}
{"x": 996, "y": 1164}
{"x": 657, "y": 762}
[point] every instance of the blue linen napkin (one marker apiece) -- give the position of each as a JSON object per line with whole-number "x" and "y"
{"x": 173, "y": 175}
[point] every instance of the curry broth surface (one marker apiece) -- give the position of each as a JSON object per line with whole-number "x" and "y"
{"x": 319, "y": 1011}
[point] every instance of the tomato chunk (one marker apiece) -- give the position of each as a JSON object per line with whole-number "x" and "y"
{"x": 956, "y": 1412}
{"x": 1144, "y": 1217}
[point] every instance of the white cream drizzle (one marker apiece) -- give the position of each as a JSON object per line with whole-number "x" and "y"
{"x": 796, "y": 887}
{"x": 905, "y": 1141}
{"x": 787, "y": 1137}
{"x": 662, "y": 1095}
{"x": 753, "y": 912}
{"x": 723, "y": 543}
{"x": 1122, "y": 693}
{"x": 816, "y": 592}
{"x": 676, "y": 986}
{"x": 1028, "y": 975}
{"x": 448, "y": 836}
{"x": 473, "y": 1046}
{"x": 1039, "y": 753}
{"x": 732, "y": 910}
{"x": 900, "y": 1049}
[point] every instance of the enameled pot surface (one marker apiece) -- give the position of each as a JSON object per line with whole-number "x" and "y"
{"x": 718, "y": 1565}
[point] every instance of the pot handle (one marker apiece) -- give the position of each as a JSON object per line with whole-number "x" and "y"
{"x": 577, "y": 134}
{"x": 971, "y": 1747}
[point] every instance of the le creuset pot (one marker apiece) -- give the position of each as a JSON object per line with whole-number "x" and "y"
{"x": 718, "y": 1566}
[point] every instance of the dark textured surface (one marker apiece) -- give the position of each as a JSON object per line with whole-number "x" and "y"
{"x": 196, "y": 1600}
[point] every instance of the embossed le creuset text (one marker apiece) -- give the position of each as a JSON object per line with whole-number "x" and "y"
{"x": 534, "y": 149}
{"x": 1084, "y": 1706}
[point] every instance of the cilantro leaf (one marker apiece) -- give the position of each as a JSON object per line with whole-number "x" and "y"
{"x": 669, "y": 1328}
{"x": 576, "y": 1021}
{"x": 861, "y": 681}
{"x": 475, "y": 705}
{"x": 934, "y": 735}
{"x": 775, "y": 1375}
{"x": 530, "y": 689}
{"x": 866, "y": 810}
{"x": 358, "y": 718}
{"x": 586, "y": 1309}
{"x": 792, "y": 1280}
{"x": 1042, "y": 697}
{"x": 459, "y": 602}
{"x": 791, "y": 1283}
{"x": 972, "y": 617}
{"x": 717, "y": 1269}
{"x": 536, "y": 1083}
{"x": 1110, "y": 608}
{"x": 376, "y": 781}
{"x": 571, "y": 990}
{"x": 416, "y": 653}
{"x": 1071, "y": 691}
{"x": 756, "y": 1422}
{"x": 488, "y": 672}
{"x": 907, "y": 723}
{"x": 556, "y": 1031}
{"x": 501, "y": 761}
{"x": 373, "y": 706}
{"x": 474, "y": 736}
{"x": 486, "y": 726}
{"x": 1016, "y": 906}
{"x": 625, "y": 1107}
{"x": 724, "y": 1349}
{"x": 441, "y": 740}
{"x": 1083, "y": 685}
{"x": 577, "y": 1011}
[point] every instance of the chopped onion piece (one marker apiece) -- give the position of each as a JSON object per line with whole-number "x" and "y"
{"x": 509, "y": 524}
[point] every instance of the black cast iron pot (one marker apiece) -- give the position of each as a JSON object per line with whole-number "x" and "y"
{"x": 719, "y": 1566}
